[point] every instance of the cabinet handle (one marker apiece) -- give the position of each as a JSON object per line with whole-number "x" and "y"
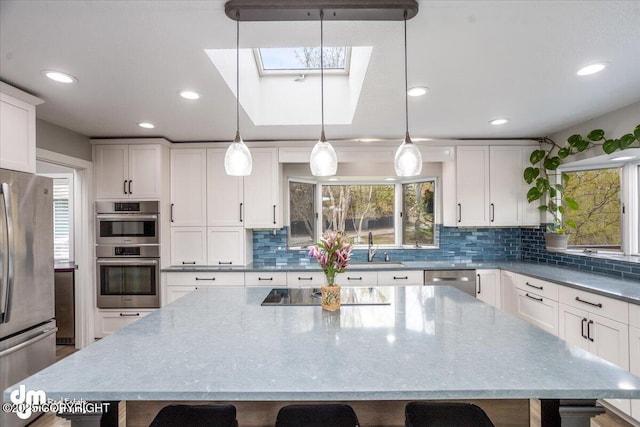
{"x": 241, "y": 212}
{"x": 599, "y": 305}
{"x": 124, "y": 187}
{"x": 171, "y": 213}
{"x": 130, "y": 192}
{"x": 305, "y": 278}
{"x": 265, "y": 278}
{"x": 480, "y": 284}
{"x": 274, "y": 214}
{"x": 354, "y": 278}
{"x": 493, "y": 212}
{"x": 129, "y": 314}
{"x": 589, "y": 330}
{"x": 188, "y": 263}
{"x": 206, "y": 278}
{"x": 584, "y": 322}
{"x": 534, "y": 298}
{"x": 400, "y": 277}
{"x": 225, "y": 262}
{"x": 534, "y": 286}
{"x": 459, "y": 212}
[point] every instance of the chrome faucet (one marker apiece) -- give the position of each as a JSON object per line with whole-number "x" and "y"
{"x": 372, "y": 252}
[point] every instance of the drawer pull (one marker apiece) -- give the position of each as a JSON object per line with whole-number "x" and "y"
{"x": 206, "y": 278}
{"x": 599, "y": 305}
{"x": 534, "y": 298}
{"x": 129, "y": 314}
{"x": 225, "y": 262}
{"x": 589, "y": 330}
{"x": 354, "y": 278}
{"x": 188, "y": 263}
{"x": 400, "y": 277}
{"x": 265, "y": 278}
{"x": 534, "y": 286}
{"x": 305, "y": 278}
{"x": 584, "y": 322}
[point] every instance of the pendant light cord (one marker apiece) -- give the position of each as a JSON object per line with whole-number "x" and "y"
{"x": 322, "y": 137}
{"x": 237, "y": 73}
{"x": 406, "y": 87}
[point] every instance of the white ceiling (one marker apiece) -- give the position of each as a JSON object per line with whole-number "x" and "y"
{"x": 481, "y": 60}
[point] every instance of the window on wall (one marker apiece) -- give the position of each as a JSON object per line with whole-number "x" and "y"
{"x": 62, "y": 219}
{"x": 599, "y": 218}
{"x": 302, "y": 214}
{"x": 395, "y": 214}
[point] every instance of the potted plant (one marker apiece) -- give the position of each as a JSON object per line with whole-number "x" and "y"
{"x": 548, "y": 185}
{"x": 333, "y": 254}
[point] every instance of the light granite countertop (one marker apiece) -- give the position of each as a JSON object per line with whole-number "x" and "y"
{"x": 624, "y": 289}
{"x": 429, "y": 343}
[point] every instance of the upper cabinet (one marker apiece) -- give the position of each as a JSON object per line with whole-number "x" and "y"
{"x": 188, "y": 187}
{"x": 129, "y": 170}
{"x": 17, "y": 129}
{"x": 261, "y": 190}
{"x": 225, "y": 201}
{"x": 489, "y": 188}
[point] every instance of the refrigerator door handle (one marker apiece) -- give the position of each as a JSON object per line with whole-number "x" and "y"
{"x": 45, "y": 333}
{"x": 8, "y": 279}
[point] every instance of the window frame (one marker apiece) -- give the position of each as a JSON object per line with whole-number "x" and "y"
{"x": 303, "y": 71}
{"x": 315, "y": 209}
{"x": 71, "y": 178}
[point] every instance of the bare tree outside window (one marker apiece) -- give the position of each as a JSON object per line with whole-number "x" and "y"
{"x": 418, "y": 213}
{"x": 309, "y": 57}
{"x": 302, "y": 222}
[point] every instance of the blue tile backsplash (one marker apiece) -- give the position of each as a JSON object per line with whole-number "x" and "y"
{"x": 457, "y": 245}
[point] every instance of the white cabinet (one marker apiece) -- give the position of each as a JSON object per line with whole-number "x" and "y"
{"x": 126, "y": 171}
{"x": 508, "y": 291}
{"x": 537, "y": 302}
{"x": 357, "y": 278}
{"x": 403, "y": 277}
{"x": 225, "y": 193}
{"x": 188, "y": 245}
{"x": 305, "y": 279}
{"x": 269, "y": 279}
{"x": 262, "y": 190}
{"x": 188, "y": 187}
{"x": 490, "y": 189}
{"x": 634, "y": 351}
{"x": 488, "y": 287}
{"x": 109, "y": 321}
{"x": 229, "y": 246}
{"x": 177, "y": 285}
{"x": 17, "y": 129}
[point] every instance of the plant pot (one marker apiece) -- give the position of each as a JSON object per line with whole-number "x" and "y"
{"x": 556, "y": 242}
{"x": 330, "y": 297}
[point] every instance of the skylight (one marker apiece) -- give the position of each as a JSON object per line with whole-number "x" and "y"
{"x": 302, "y": 60}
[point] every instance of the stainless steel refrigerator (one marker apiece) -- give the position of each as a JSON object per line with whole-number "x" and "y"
{"x": 27, "y": 325}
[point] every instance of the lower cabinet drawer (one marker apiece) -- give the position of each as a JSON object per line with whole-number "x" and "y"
{"x": 108, "y": 322}
{"x": 603, "y": 306}
{"x": 537, "y": 310}
{"x": 537, "y": 286}
{"x": 205, "y": 278}
{"x": 305, "y": 279}
{"x": 357, "y": 278}
{"x": 404, "y": 277}
{"x": 267, "y": 279}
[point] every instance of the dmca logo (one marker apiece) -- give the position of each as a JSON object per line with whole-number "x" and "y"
{"x": 25, "y": 403}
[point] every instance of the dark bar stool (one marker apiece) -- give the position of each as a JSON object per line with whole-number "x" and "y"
{"x": 196, "y": 416}
{"x": 445, "y": 414}
{"x": 321, "y": 415}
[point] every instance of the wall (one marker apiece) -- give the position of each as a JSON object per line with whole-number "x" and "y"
{"x": 61, "y": 140}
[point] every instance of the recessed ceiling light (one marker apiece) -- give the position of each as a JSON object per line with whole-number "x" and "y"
{"x": 189, "y": 94}
{"x": 417, "y": 91}
{"x": 59, "y": 77}
{"x": 146, "y": 125}
{"x": 591, "y": 69}
{"x": 622, "y": 158}
{"x": 498, "y": 122}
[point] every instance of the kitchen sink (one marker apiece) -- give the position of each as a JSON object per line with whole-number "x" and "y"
{"x": 377, "y": 265}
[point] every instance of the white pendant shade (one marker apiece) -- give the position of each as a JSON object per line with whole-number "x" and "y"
{"x": 324, "y": 160}
{"x": 237, "y": 159}
{"x": 408, "y": 159}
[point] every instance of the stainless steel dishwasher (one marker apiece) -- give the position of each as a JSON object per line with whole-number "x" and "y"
{"x": 465, "y": 280}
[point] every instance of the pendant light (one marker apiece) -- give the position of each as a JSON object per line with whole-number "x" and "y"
{"x": 323, "y": 160}
{"x": 237, "y": 159}
{"x": 408, "y": 159}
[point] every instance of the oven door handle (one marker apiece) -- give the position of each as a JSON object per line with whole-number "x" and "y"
{"x": 126, "y": 216}
{"x": 128, "y": 261}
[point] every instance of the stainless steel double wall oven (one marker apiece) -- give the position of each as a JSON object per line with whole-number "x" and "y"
{"x": 128, "y": 254}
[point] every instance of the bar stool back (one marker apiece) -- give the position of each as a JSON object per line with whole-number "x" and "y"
{"x": 445, "y": 414}
{"x": 320, "y": 415}
{"x": 196, "y": 416}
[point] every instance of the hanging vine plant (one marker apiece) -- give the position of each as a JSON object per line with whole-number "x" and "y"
{"x": 548, "y": 184}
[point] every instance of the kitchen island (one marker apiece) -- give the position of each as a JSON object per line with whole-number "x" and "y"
{"x": 220, "y": 344}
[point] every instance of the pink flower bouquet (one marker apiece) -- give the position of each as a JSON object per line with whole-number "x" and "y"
{"x": 333, "y": 253}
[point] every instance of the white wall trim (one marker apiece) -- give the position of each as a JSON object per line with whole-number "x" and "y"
{"x": 83, "y": 241}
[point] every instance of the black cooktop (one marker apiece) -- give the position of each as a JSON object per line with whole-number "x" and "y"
{"x": 311, "y": 296}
